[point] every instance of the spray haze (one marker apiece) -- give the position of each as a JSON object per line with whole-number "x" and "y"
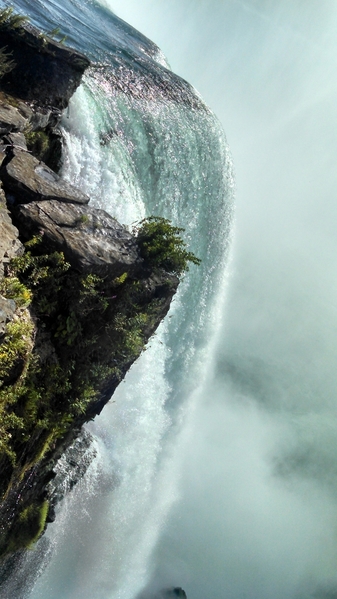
{"x": 254, "y": 448}
{"x": 257, "y": 516}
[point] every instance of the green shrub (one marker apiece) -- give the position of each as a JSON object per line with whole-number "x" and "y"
{"x": 29, "y": 526}
{"x": 161, "y": 245}
{"x": 37, "y": 143}
{"x": 89, "y": 331}
{"x": 6, "y": 64}
{"x": 15, "y": 346}
{"x": 11, "y": 288}
{"x": 11, "y": 20}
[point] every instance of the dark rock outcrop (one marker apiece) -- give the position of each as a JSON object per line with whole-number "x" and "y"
{"x": 169, "y": 593}
{"x": 46, "y": 72}
{"x": 91, "y": 239}
{"x": 69, "y": 470}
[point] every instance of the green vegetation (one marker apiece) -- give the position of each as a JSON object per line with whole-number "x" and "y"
{"x": 54, "y": 33}
{"x": 27, "y": 529}
{"x": 162, "y": 246}
{"x": 6, "y": 64}
{"x": 10, "y": 20}
{"x": 90, "y": 330}
{"x": 38, "y": 143}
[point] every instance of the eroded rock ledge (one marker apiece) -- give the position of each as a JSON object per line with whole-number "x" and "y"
{"x": 78, "y": 302}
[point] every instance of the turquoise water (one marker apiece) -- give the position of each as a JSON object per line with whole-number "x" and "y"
{"x": 217, "y": 456}
{"x": 139, "y": 140}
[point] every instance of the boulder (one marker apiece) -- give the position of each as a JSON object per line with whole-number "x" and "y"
{"x": 11, "y": 119}
{"x": 29, "y": 180}
{"x": 92, "y": 240}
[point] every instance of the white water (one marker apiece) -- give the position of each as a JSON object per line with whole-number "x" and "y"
{"x": 258, "y": 514}
{"x": 163, "y": 159}
{"x": 256, "y": 510}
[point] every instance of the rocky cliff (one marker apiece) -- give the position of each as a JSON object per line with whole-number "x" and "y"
{"x": 79, "y": 296}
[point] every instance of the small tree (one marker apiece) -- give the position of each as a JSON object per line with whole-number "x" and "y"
{"x": 161, "y": 245}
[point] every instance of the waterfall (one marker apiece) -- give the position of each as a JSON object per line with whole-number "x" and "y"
{"x": 216, "y": 459}
{"x": 140, "y": 140}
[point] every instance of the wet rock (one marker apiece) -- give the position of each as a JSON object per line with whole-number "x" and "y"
{"x": 19, "y": 571}
{"x": 30, "y": 180}
{"x": 70, "y": 469}
{"x": 173, "y": 593}
{"x": 40, "y": 119}
{"x": 91, "y": 239}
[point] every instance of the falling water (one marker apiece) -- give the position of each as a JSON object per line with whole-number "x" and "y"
{"x": 139, "y": 140}
{"x": 216, "y": 466}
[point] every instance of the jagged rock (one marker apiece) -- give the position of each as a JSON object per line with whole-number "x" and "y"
{"x": 40, "y": 119}
{"x": 24, "y": 109}
{"x": 16, "y": 115}
{"x": 15, "y": 140}
{"x": 91, "y": 239}
{"x": 69, "y": 470}
{"x": 10, "y": 246}
{"x": 30, "y": 180}
{"x": 11, "y": 119}
{"x": 46, "y": 71}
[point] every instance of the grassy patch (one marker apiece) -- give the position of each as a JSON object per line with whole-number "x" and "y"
{"x": 27, "y": 528}
{"x": 38, "y": 143}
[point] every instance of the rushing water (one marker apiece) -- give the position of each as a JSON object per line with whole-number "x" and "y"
{"x": 140, "y": 141}
{"x": 217, "y": 456}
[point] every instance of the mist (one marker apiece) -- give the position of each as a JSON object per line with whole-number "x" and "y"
{"x": 257, "y": 510}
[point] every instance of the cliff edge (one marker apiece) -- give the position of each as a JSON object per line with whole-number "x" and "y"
{"x": 80, "y": 295}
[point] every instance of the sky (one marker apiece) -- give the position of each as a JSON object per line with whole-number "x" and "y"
{"x": 257, "y": 514}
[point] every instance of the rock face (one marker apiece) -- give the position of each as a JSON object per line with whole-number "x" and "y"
{"x": 46, "y": 72}
{"x": 10, "y": 246}
{"x": 28, "y": 179}
{"x": 70, "y": 469}
{"x": 91, "y": 239}
{"x": 11, "y": 119}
